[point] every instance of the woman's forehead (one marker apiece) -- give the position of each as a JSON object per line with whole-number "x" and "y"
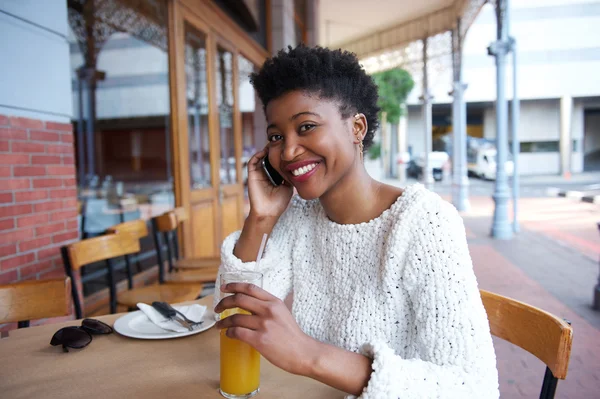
{"x": 289, "y": 104}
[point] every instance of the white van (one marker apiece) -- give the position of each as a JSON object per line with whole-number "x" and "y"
{"x": 483, "y": 163}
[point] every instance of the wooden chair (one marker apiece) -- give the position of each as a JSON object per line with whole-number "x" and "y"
{"x": 540, "y": 333}
{"x": 165, "y": 228}
{"x": 92, "y": 250}
{"x": 35, "y": 299}
{"x": 166, "y": 292}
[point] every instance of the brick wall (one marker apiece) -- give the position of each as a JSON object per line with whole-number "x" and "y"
{"x": 38, "y": 197}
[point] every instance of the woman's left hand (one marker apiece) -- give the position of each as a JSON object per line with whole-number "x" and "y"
{"x": 270, "y": 329}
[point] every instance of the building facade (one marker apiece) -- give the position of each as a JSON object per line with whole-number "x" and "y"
{"x": 122, "y": 109}
{"x": 558, "y": 49}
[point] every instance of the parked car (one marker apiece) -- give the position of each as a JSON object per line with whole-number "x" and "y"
{"x": 483, "y": 164}
{"x": 440, "y": 163}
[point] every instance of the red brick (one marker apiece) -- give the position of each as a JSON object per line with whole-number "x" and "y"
{"x": 63, "y": 127}
{"x": 5, "y": 198}
{"x": 7, "y": 250}
{"x": 35, "y": 268}
{"x": 59, "y": 148}
{"x": 54, "y": 273}
{"x": 13, "y": 134}
{"x": 67, "y": 160}
{"x": 69, "y": 182}
{"x": 16, "y": 235}
{"x": 9, "y": 277}
{"x": 5, "y": 171}
{"x": 68, "y": 236}
{"x": 4, "y": 146}
{"x": 48, "y": 253}
{"x": 26, "y": 123}
{"x": 7, "y": 224}
{"x": 72, "y": 224}
{"x": 28, "y": 147}
{"x": 3, "y": 120}
{"x": 16, "y": 261}
{"x": 61, "y": 170}
{"x": 42, "y": 135}
{"x": 46, "y": 183}
{"x": 63, "y": 215}
{"x": 49, "y": 229}
{"x": 70, "y": 203}
{"x": 67, "y": 138}
{"x": 27, "y": 196}
{"x": 25, "y": 246}
{"x": 45, "y": 160}
{"x": 47, "y": 206}
{"x": 29, "y": 171}
{"x": 63, "y": 193}
{"x": 14, "y": 210}
{"x": 15, "y": 184}
{"x": 33, "y": 220}
{"x": 14, "y": 159}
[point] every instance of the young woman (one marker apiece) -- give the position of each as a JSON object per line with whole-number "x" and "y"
{"x": 385, "y": 301}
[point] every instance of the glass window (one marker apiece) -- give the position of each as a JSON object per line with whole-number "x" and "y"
{"x": 254, "y": 125}
{"x": 120, "y": 80}
{"x": 224, "y": 68}
{"x": 197, "y": 102}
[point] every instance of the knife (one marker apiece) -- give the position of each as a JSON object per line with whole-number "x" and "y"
{"x": 171, "y": 314}
{"x": 189, "y": 321}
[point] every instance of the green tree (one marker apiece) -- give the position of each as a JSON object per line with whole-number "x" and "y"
{"x": 394, "y": 86}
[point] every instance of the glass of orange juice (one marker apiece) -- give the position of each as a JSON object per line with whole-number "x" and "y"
{"x": 240, "y": 363}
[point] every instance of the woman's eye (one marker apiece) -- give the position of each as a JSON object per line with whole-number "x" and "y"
{"x": 306, "y": 127}
{"x": 274, "y": 137}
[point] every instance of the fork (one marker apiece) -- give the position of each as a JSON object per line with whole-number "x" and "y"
{"x": 192, "y": 323}
{"x": 168, "y": 312}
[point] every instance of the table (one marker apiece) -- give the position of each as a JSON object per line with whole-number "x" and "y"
{"x": 113, "y": 366}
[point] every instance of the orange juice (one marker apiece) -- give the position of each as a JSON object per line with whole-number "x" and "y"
{"x": 240, "y": 365}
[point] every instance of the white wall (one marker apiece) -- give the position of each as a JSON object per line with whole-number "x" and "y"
{"x": 34, "y": 72}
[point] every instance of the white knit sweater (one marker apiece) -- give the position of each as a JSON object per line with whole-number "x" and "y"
{"x": 399, "y": 289}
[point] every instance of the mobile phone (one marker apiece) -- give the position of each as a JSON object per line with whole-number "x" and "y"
{"x": 271, "y": 173}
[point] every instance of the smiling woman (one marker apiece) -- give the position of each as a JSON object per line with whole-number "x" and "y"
{"x": 381, "y": 277}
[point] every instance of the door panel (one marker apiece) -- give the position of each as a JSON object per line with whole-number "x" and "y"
{"x": 204, "y": 226}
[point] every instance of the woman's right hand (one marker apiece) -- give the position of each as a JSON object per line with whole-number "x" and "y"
{"x": 266, "y": 200}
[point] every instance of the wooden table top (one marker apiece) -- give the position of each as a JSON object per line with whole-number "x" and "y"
{"x": 114, "y": 366}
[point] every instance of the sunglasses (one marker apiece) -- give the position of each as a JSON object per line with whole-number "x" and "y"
{"x": 79, "y": 337}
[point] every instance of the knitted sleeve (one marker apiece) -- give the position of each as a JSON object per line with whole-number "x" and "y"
{"x": 276, "y": 264}
{"x": 454, "y": 355}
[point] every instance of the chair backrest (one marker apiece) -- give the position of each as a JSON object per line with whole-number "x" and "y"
{"x": 169, "y": 221}
{"x": 135, "y": 228}
{"x": 101, "y": 248}
{"x": 35, "y": 299}
{"x": 540, "y": 333}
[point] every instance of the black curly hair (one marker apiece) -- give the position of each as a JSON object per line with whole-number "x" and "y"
{"x": 330, "y": 74}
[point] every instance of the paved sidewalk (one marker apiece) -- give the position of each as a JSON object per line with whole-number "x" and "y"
{"x": 544, "y": 270}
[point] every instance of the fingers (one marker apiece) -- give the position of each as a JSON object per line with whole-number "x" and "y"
{"x": 248, "y": 289}
{"x": 250, "y": 322}
{"x": 254, "y": 162}
{"x": 248, "y": 336}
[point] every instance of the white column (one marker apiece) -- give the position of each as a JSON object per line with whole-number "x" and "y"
{"x": 402, "y": 142}
{"x": 566, "y": 113}
{"x": 283, "y": 31}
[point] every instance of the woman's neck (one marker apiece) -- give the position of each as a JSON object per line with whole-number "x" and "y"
{"x": 354, "y": 199}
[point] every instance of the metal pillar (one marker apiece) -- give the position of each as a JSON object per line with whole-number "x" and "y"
{"x": 80, "y": 139}
{"x": 427, "y": 123}
{"x": 596, "y": 303}
{"x": 501, "y": 228}
{"x": 460, "y": 180}
{"x": 514, "y": 136}
{"x": 566, "y": 112}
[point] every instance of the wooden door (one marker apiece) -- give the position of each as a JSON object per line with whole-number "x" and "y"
{"x": 231, "y": 189}
{"x": 208, "y": 141}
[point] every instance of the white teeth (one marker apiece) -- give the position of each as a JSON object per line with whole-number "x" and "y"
{"x": 303, "y": 170}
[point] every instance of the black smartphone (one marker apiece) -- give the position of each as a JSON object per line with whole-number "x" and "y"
{"x": 271, "y": 173}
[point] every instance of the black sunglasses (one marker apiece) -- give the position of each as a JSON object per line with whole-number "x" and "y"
{"x": 79, "y": 337}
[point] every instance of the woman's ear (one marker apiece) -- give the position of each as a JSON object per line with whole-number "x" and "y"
{"x": 359, "y": 127}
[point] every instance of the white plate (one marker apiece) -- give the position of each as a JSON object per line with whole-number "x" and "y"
{"x": 137, "y": 325}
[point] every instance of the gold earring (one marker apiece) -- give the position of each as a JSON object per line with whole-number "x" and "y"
{"x": 361, "y": 147}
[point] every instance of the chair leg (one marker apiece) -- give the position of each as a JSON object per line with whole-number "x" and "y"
{"x": 129, "y": 272}
{"x": 169, "y": 251}
{"x": 23, "y": 324}
{"x": 549, "y": 385}
{"x": 69, "y": 272}
{"x": 159, "y": 257}
{"x": 112, "y": 287}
